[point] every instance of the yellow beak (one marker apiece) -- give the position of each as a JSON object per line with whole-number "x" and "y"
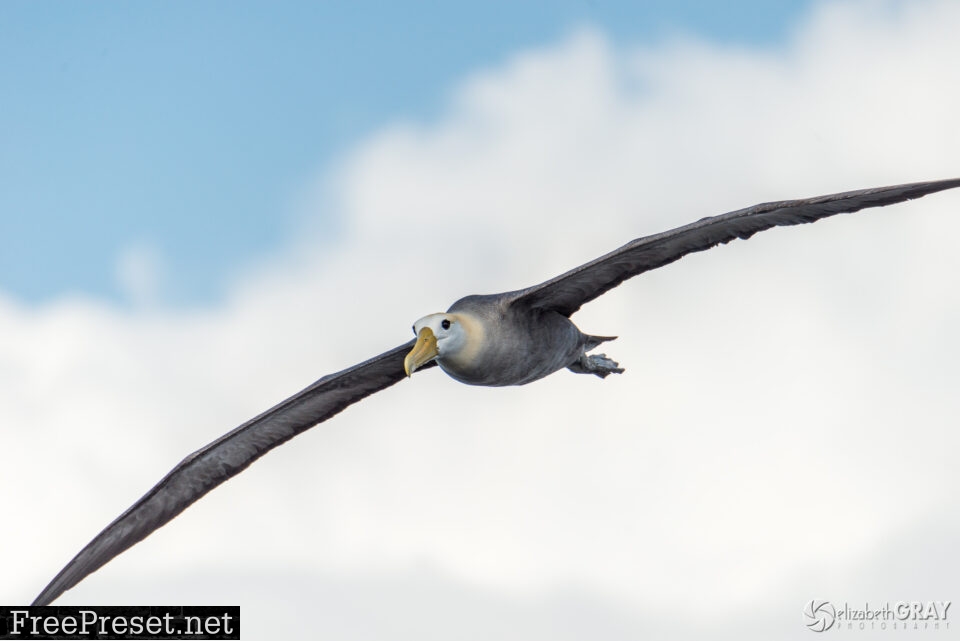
{"x": 422, "y": 353}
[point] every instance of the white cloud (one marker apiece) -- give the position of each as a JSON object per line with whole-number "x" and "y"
{"x": 789, "y": 403}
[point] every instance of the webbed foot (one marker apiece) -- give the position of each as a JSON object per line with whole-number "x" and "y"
{"x": 597, "y": 364}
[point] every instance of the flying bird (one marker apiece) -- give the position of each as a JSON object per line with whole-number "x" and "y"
{"x": 512, "y": 338}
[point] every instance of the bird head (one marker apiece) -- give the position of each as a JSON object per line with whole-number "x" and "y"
{"x": 438, "y": 336}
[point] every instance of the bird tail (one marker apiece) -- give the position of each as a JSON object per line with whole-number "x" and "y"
{"x": 591, "y": 342}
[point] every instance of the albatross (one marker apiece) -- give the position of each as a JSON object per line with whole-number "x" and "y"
{"x": 512, "y": 338}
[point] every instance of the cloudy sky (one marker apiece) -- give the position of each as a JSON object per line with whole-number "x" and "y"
{"x": 205, "y": 208}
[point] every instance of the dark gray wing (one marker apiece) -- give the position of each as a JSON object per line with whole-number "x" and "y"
{"x": 567, "y": 292}
{"x": 227, "y": 456}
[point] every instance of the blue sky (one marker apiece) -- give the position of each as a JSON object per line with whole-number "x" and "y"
{"x": 189, "y": 127}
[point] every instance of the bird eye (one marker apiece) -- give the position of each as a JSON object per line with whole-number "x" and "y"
{"x": 445, "y": 324}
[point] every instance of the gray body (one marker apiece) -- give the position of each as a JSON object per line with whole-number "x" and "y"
{"x": 529, "y": 345}
{"x": 533, "y": 337}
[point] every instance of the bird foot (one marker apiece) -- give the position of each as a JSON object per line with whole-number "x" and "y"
{"x": 597, "y": 364}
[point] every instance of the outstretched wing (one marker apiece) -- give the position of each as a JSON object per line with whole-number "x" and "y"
{"x": 568, "y": 292}
{"x": 227, "y": 456}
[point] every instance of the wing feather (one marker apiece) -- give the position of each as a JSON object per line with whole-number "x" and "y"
{"x": 568, "y": 292}
{"x": 226, "y": 457}
{"x": 222, "y": 459}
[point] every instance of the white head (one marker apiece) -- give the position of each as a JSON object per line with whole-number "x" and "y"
{"x": 439, "y": 336}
